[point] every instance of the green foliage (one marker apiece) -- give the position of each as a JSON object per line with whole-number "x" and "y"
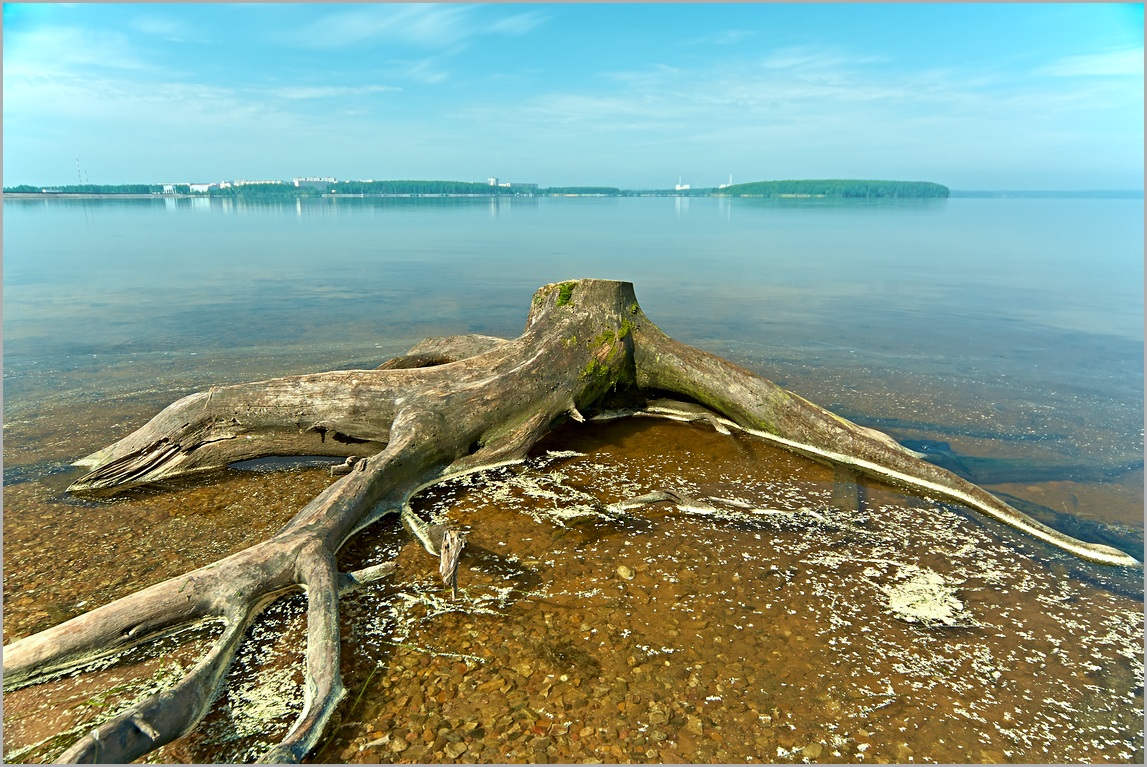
{"x": 417, "y": 187}
{"x": 282, "y": 191}
{"x": 601, "y": 339}
{"x": 565, "y": 292}
{"x": 592, "y": 370}
{"x": 837, "y": 188}
{"x": 91, "y": 189}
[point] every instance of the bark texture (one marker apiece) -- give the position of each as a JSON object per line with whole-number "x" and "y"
{"x": 448, "y": 406}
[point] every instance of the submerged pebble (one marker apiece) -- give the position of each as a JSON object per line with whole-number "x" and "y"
{"x": 746, "y": 638}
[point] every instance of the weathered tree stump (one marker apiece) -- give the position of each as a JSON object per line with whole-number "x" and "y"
{"x": 449, "y": 406}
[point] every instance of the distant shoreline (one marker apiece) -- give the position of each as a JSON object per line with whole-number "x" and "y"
{"x": 93, "y": 196}
{"x": 1066, "y": 194}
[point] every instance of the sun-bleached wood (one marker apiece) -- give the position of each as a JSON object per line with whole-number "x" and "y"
{"x": 448, "y": 406}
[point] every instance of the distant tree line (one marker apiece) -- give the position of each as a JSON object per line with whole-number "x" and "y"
{"x": 604, "y": 191}
{"x": 281, "y": 191}
{"x": 700, "y": 191}
{"x": 463, "y": 187}
{"x": 92, "y": 189}
{"x": 286, "y": 190}
{"x": 836, "y": 188}
{"x": 416, "y": 187}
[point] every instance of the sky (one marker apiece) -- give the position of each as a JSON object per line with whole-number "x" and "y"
{"x": 974, "y": 96}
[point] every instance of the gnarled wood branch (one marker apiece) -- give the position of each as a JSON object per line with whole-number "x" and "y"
{"x": 448, "y": 406}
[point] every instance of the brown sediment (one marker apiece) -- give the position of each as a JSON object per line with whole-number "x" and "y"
{"x": 1118, "y": 502}
{"x": 751, "y": 637}
{"x": 737, "y": 639}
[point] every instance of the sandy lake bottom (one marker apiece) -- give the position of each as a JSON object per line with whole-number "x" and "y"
{"x": 754, "y": 622}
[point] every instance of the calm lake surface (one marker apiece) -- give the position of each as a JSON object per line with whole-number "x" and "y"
{"x": 1003, "y": 337}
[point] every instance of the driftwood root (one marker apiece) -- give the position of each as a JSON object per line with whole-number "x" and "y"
{"x": 448, "y": 406}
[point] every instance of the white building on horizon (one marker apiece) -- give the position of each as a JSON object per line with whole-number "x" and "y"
{"x": 314, "y": 180}
{"x": 197, "y": 188}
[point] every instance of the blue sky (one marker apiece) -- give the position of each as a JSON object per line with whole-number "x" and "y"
{"x": 976, "y": 96}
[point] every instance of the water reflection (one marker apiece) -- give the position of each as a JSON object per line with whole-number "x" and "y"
{"x": 933, "y": 315}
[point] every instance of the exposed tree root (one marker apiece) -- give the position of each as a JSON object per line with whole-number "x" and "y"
{"x": 449, "y": 406}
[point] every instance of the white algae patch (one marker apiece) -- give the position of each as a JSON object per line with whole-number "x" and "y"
{"x": 923, "y": 597}
{"x": 256, "y": 702}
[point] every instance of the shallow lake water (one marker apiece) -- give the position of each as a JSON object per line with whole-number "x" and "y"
{"x": 756, "y": 622}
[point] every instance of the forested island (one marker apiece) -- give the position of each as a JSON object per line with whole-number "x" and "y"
{"x": 279, "y": 190}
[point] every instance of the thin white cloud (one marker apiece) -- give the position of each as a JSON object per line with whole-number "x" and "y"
{"x": 48, "y": 50}
{"x": 810, "y": 98}
{"x": 158, "y": 26}
{"x": 430, "y": 26}
{"x": 804, "y": 58}
{"x": 116, "y": 101}
{"x": 817, "y": 59}
{"x": 103, "y": 103}
{"x": 606, "y": 112}
{"x": 818, "y": 102}
{"x": 723, "y": 37}
{"x": 167, "y": 29}
{"x": 426, "y": 72}
{"x": 152, "y": 25}
{"x": 518, "y": 24}
{"x": 653, "y": 77}
{"x": 1126, "y": 62}
{"x": 808, "y": 80}
{"x": 302, "y": 92}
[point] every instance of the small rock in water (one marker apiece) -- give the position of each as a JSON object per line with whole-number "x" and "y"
{"x": 625, "y": 572}
{"x": 812, "y": 750}
{"x": 455, "y": 750}
{"x": 398, "y": 745}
